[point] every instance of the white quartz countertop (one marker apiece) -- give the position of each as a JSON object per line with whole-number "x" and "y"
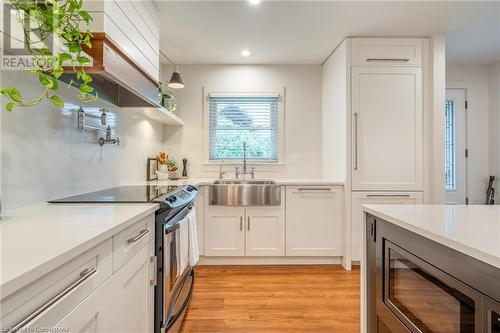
{"x": 279, "y": 181}
{"x": 35, "y": 240}
{"x": 472, "y": 230}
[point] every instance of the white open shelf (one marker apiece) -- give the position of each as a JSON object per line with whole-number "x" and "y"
{"x": 159, "y": 114}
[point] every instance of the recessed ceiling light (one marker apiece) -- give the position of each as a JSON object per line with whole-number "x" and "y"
{"x": 245, "y": 53}
{"x": 254, "y": 2}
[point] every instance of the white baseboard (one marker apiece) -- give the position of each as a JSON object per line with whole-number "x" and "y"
{"x": 270, "y": 261}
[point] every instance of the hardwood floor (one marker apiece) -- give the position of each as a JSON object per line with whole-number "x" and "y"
{"x": 268, "y": 299}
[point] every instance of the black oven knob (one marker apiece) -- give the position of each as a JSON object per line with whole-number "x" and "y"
{"x": 172, "y": 199}
{"x": 191, "y": 188}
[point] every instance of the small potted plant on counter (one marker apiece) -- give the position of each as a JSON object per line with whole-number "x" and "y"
{"x": 173, "y": 170}
{"x": 167, "y": 168}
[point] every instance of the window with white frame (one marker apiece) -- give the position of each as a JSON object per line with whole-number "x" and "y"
{"x": 449, "y": 148}
{"x": 235, "y": 119}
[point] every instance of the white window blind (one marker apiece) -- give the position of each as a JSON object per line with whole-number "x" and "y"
{"x": 235, "y": 119}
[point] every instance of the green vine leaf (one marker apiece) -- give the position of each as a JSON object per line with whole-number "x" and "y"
{"x": 57, "y": 101}
{"x": 48, "y": 19}
{"x": 83, "y": 60}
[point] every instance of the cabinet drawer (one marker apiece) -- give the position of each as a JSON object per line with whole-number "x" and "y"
{"x": 375, "y": 198}
{"x": 47, "y": 300}
{"x": 386, "y": 51}
{"x": 131, "y": 240}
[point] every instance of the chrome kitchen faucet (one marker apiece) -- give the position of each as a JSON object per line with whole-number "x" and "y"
{"x": 245, "y": 170}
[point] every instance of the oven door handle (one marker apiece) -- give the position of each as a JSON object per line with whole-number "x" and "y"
{"x": 171, "y": 228}
{"x": 174, "y": 318}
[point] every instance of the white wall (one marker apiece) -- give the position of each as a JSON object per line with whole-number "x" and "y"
{"x": 334, "y": 105}
{"x": 434, "y": 189}
{"x": 303, "y": 122}
{"x": 494, "y": 92}
{"x": 44, "y": 156}
{"x": 475, "y": 79}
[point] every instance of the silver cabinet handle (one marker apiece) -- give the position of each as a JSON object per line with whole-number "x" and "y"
{"x": 154, "y": 260}
{"x": 313, "y": 189}
{"x": 241, "y": 223}
{"x": 248, "y": 226}
{"x": 84, "y": 275}
{"x": 388, "y": 195}
{"x": 141, "y": 234}
{"x": 388, "y": 59}
{"x": 355, "y": 141}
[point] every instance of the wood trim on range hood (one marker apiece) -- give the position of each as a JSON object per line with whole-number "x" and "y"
{"x": 117, "y": 78}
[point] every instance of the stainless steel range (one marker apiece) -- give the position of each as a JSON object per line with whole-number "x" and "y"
{"x": 174, "y": 289}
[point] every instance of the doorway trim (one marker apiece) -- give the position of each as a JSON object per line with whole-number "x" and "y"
{"x": 466, "y": 87}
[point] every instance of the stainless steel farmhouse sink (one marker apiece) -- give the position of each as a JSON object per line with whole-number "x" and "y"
{"x": 245, "y": 193}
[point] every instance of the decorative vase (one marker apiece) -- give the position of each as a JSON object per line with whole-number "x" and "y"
{"x": 162, "y": 176}
{"x": 163, "y": 168}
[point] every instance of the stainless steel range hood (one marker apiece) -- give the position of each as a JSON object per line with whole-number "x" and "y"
{"x": 116, "y": 78}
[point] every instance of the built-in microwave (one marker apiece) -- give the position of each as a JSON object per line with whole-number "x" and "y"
{"x": 416, "y": 285}
{"x": 426, "y": 299}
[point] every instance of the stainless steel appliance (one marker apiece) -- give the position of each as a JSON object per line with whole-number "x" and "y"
{"x": 174, "y": 288}
{"x": 416, "y": 285}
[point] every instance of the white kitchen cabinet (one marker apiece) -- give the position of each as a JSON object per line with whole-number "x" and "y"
{"x": 386, "y": 51}
{"x": 47, "y": 300}
{"x": 224, "y": 231}
{"x": 387, "y": 128}
{"x": 380, "y": 198}
{"x": 239, "y": 231}
{"x": 93, "y": 315}
{"x": 265, "y": 232}
{"x": 314, "y": 218}
{"x": 132, "y": 292}
{"x": 124, "y": 303}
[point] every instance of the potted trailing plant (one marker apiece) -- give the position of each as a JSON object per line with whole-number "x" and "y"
{"x": 61, "y": 19}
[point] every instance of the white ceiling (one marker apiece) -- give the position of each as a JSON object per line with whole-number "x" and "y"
{"x": 306, "y": 32}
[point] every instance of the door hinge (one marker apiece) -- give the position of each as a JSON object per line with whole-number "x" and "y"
{"x": 466, "y": 152}
{"x": 466, "y": 201}
{"x": 466, "y": 105}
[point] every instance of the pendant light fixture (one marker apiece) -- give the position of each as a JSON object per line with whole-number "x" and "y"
{"x": 176, "y": 79}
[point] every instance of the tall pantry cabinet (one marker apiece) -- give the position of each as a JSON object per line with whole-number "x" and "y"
{"x": 373, "y": 98}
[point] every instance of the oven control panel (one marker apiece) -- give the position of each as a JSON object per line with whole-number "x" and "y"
{"x": 180, "y": 196}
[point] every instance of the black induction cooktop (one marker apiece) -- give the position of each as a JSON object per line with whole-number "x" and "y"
{"x": 122, "y": 194}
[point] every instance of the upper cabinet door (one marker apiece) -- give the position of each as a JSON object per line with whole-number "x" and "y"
{"x": 265, "y": 234}
{"x": 386, "y": 51}
{"x": 387, "y": 128}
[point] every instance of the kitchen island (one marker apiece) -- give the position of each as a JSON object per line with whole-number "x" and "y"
{"x": 431, "y": 268}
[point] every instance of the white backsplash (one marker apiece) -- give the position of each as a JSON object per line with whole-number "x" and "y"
{"x": 44, "y": 155}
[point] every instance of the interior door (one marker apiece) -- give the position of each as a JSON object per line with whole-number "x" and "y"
{"x": 265, "y": 234}
{"x": 224, "y": 231}
{"x": 455, "y": 145}
{"x": 387, "y": 128}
